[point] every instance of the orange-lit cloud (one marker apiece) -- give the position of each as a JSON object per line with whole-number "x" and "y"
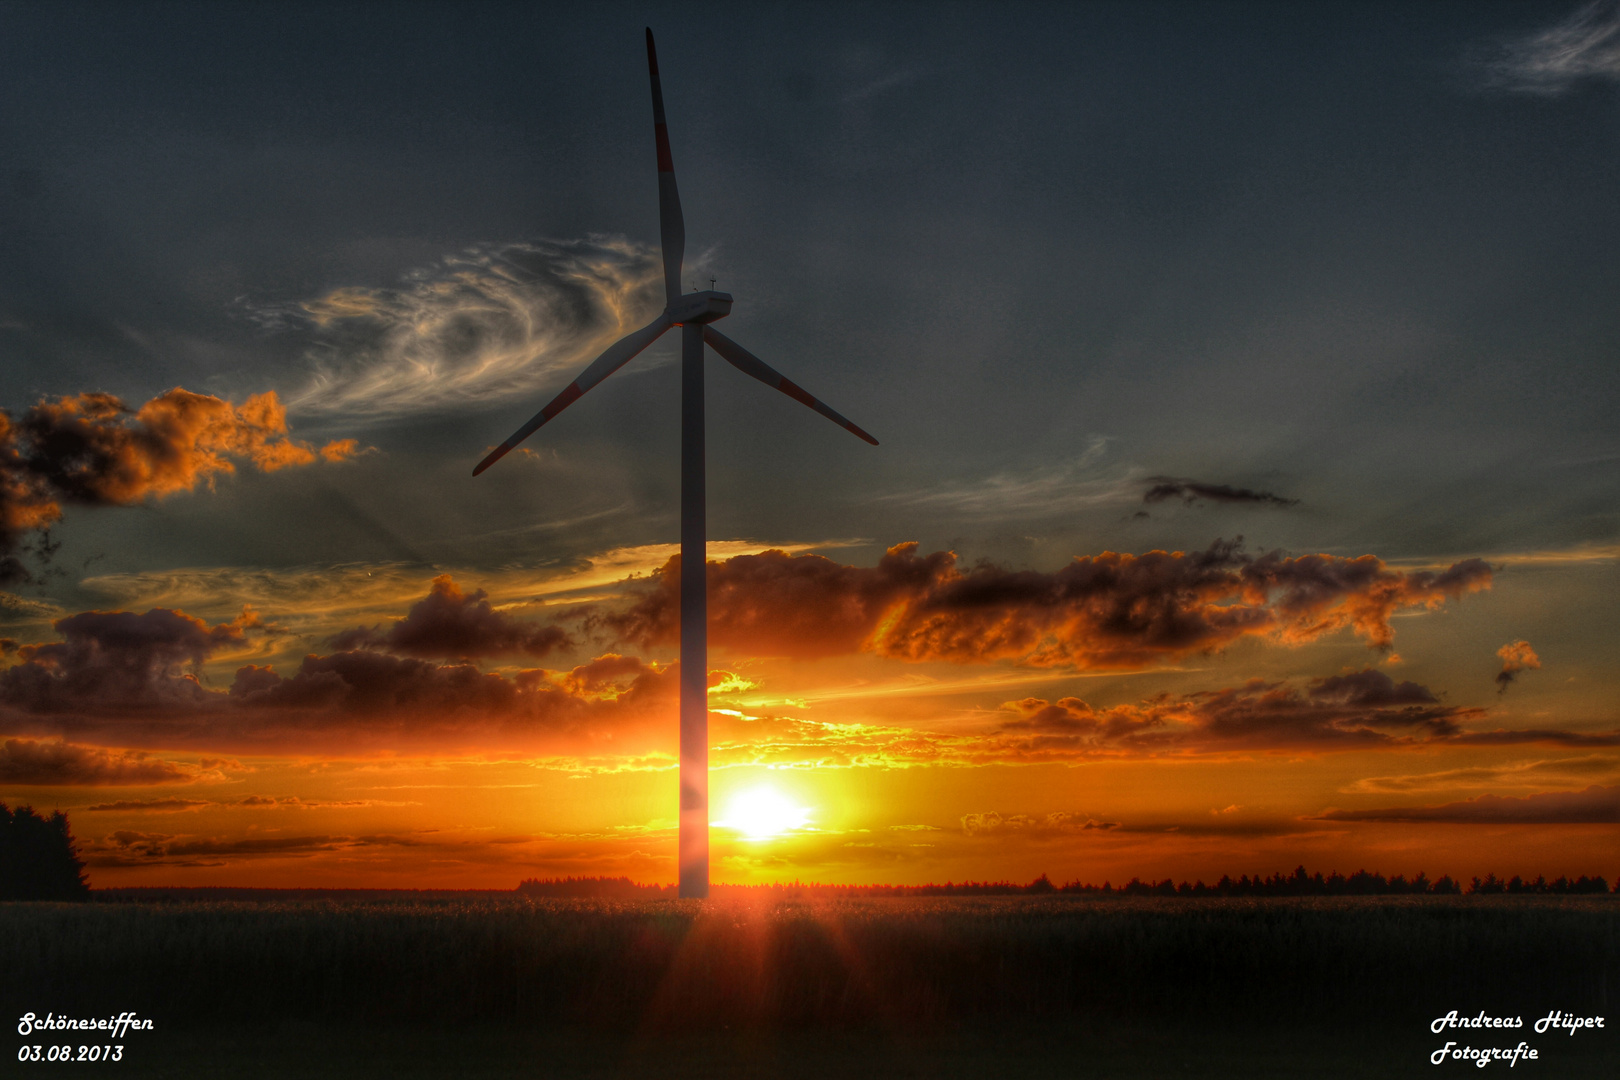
{"x": 133, "y": 680}
{"x": 1516, "y": 656}
{"x": 1365, "y": 710}
{"x": 1536, "y": 773}
{"x": 93, "y": 449}
{"x": 1106, "y": 611}
{"x": 1061, "y": 823}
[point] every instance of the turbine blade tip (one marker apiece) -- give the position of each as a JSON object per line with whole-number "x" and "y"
{"x": 490, "y": 458}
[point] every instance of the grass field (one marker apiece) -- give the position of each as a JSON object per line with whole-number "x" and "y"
{"x": 508, "y": 986}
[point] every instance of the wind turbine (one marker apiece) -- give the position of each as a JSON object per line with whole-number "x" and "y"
{"x": 693, "y": 313}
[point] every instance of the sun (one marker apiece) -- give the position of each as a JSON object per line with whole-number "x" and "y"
{"x": 760, "y": 813}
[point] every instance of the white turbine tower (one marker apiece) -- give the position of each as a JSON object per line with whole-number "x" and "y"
{"x": 692, "y": 312}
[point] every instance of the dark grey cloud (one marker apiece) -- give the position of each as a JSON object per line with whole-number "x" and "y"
{"x": 120, "y": 661}
{"x": 29, "y": 762}
{"x": 1365, "y": 710}
{"x": 451, "y": 623}
{"x": 1594, "y": 806}
{"x": 1190, "y": 491}
{"x": 149, "y": 806}
{"x": 1544, "y": 737}
{"x": 130, "y": 847}
{"x": 247, "y": 802}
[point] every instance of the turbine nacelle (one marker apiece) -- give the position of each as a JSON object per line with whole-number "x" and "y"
{"x": 699, "y": 307}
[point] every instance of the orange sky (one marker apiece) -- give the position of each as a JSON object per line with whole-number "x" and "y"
{"x": 1078, "y": 745}
{"x": 1242, "y": 383}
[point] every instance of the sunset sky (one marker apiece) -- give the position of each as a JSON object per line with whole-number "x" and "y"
{"x": 1245, "y": 378}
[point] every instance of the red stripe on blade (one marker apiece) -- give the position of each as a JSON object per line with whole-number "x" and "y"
{"x": 562, "y": 401}
{"x": 792, "y": 390}
{"x": 666, "y": 163}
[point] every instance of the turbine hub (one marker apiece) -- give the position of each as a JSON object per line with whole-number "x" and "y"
{"x": 700, "y": 307}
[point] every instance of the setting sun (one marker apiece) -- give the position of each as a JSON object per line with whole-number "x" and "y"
{"x": 760, "y": 813}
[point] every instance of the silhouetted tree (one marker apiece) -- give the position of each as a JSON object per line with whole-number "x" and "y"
{"x": 38, "y": 859}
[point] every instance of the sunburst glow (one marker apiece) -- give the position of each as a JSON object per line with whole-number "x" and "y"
{"x": 761, "y": 813}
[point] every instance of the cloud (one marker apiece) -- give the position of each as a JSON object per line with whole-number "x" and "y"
{"x": 451, "y": 623}
{"x": 1516, "y": 656}
{"x": 1364, "y": 710}
{"x": 1546, "y": 736}
{"x": 121, "y": 661}
{"x": 1549, "y": 62}
{"x": 315, "y": 598}
{"x": 1359, "y": 712}
{"x": 24, "y": 761}
{"x": 361, "y": 683}
{"x": 1190, "y": 491}
{"x": 1050, "y": 491}
{"x": 1594, "y": 806}
{"x": 94, "y": 450}
{"x": 1106, "y": 611}
{"x": 1512, "y": 774}
{"x": 133, "y": 678}
{"x": 128, "y": 847}
{"x": 1062, "y": 823}
{"x": 492, "y": 323}
{"x": 248, "y": 802}
{"x": 613, "y": 705}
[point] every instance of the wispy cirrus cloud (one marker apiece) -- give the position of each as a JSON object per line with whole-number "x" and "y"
{"x": 1586, "y": 45}
{"x": 492, "y": 322}
{"x": 1047, "y": 490}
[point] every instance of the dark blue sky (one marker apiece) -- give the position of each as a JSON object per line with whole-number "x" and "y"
{"x": 1044, "y": 252}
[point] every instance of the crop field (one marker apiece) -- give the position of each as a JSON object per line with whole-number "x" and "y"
{"x": 512, "y": 986}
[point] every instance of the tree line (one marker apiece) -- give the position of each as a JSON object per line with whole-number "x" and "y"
{"x": 1298, "y": 883}
{"x": 38, "y": 857}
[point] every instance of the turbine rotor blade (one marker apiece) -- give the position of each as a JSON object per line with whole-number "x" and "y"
{"x": 671, "y": 226}
{"x": 616, "y": 356}
{"x": 749, "y": 364}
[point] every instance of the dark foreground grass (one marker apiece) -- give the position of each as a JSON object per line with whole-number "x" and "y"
{"x": 982, "y": 987}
